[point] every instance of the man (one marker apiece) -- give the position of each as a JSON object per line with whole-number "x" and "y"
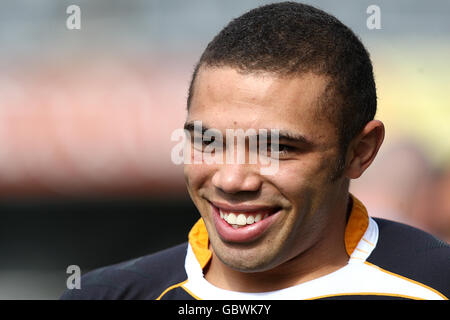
{"x": 297, "y": 233}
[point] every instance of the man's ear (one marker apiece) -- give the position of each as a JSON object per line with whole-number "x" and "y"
{"x": 364, "y": 148}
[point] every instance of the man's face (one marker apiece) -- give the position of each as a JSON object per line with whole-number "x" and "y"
{"x": 294, "y": 204}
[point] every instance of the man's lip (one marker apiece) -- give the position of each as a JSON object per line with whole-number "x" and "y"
{"x": 244, "y": 207}
{"x": 246, "y": 233}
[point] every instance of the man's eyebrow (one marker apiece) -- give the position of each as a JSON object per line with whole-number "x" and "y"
{"x": 294, "y": 137}
{"x": 190, "y": 126}
{"x": 283, "y": 135}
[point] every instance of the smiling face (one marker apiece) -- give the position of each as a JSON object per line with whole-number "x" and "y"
{"x": 299, "y": 201}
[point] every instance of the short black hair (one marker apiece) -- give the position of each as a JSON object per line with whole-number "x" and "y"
{"x": 293, "y": 38}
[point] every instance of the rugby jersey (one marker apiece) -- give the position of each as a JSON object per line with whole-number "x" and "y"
{"x": 388, "y": 260}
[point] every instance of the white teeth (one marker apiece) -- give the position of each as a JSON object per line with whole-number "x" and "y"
{"x": 241, "y": 220}
{"x": 231, "y": 219}
{"x": 223, "y": 215}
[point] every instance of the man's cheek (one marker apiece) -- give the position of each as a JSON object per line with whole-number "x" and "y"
{"x": 195, "y": 175}
{"x": 187, "y": 173}
{"x": 289, "y": 179}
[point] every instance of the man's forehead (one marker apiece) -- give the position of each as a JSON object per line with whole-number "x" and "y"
{"x": 227, "y": 98}
{"x": 230, "y": 86}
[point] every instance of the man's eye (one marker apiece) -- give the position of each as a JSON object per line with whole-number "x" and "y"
{"x": 201, "y": 144}
{"x": 280, "y": 149}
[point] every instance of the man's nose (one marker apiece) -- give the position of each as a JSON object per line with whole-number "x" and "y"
{"x": 234, "y": 178}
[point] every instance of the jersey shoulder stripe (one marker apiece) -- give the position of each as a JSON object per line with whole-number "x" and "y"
{"x": 412, "y": 254}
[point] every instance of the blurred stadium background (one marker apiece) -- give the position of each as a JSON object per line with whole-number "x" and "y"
{"x": 86, "y": 117}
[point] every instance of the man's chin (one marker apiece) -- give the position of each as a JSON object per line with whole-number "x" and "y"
{"x": 248, "y": 258}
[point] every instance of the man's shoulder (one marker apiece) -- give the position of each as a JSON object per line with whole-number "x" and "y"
{"x": 400, "y": 240}
{"x": 142, "y": 278}
{"x": 412, "y": 253}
